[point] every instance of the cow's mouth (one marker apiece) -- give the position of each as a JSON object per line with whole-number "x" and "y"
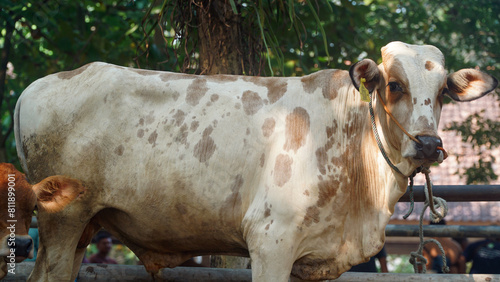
{"x": 17, "y": 259}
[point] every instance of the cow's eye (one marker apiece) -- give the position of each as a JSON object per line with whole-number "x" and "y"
{"x": 395, "y": 87}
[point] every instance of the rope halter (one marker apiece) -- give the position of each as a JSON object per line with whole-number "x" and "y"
{"x": 375, "y": 131}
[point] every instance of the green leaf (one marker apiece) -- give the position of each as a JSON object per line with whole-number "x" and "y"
{"x": 233, "y": 6}
{"x": 132, "y": 29}
{"x": 320, "y": 26}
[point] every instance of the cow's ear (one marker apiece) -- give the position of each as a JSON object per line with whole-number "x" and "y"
{"x": 55, "y": 192}
{"x": 368, "y": 70}
{"x": 470, "y": 84}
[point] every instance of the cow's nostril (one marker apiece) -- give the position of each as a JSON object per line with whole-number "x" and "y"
{"x": 23, "y": 246}
{"x": 427, "y": 148}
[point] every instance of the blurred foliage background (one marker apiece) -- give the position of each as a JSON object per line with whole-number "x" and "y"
{"x": 273, "y": 37}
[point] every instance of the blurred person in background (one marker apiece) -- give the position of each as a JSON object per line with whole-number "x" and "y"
{"x": 104, "y": 245}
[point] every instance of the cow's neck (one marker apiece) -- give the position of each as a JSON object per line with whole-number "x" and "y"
{"x": 396, "y": 182}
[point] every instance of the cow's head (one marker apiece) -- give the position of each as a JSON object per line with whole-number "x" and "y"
{"x": 18, "y": 200}
{"x": 412, "y": 82}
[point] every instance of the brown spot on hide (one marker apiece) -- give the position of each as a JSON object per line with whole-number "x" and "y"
{"x": 267, "y": 211}
{"x": 414, "y": 101}
{"x": 152, "y": 138}
{"x": 205, "y": 148}
{"x": 141, "y": 121}
{"x": 297, "y": 129}
{"x": 179, "y": 117}
{"x": 251, "y": 102}
{"x": 182, "y": 135}
{"x": 423, "y": 122}
{"x": 194, "y": 125}
{"x": 196, "y": 90}
{"x": 214, "y": 98}
{"x": 71, "y": 74}
{"x": 119, "y": 150}
{"x": 306, "y": 192}
{"x": 429, "y": 65}
{"x": 327, "y": 189}
{"x": 323, "y": 80}
{"x": 312, "y": 215}
{"x": 396, "y": 70}
{"x": 268, "y": 127}
{"x": 140, "y": 133}
{"x": 224, "y": 78}
{"x": 427, "y": 101}
{"x": 330, "y": 130}
{"x": 321, "y": 160}
{"x": 276, "y": 87}
{"x": 282, "y": 169}
{"x": 262, "y": 159}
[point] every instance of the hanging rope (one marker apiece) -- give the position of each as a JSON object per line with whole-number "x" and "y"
{"x": 435, "y": 203}
{"x": 412, "y": 205}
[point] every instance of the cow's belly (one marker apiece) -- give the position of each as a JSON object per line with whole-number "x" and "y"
{"x": 165, "y": 234}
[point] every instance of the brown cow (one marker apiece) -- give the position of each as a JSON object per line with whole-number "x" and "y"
{"x": 18, "y": 200}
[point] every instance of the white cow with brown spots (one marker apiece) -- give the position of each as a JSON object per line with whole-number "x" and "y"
{"x": 285, "y": 170}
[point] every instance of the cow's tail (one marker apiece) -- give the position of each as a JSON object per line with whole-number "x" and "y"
{"x": 17, "y": 135}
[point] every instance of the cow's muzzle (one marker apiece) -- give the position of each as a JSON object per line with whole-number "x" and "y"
{"x": 429, "y": 148}
{"x": 23, "y": 246}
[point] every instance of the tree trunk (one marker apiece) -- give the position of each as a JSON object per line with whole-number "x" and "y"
{"x": 219, "y": 38}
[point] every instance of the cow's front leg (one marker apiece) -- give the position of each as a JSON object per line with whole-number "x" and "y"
{"x": 272, "y": 258}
